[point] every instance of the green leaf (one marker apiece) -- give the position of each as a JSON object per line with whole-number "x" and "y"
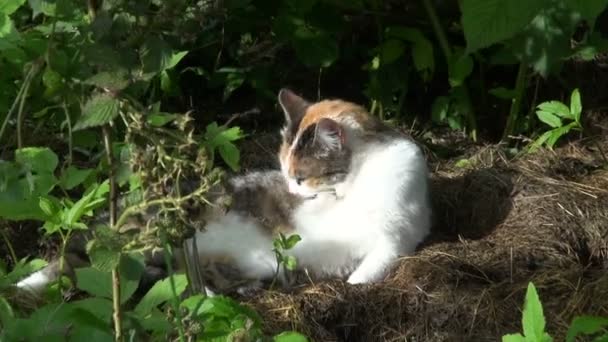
{"x": 391, "y": 50}
{"x": 98, "y": 111}
{"x": 99, "y": 283}
{"x": 130, "y": 268}
{"x": 587, "y": 325}
{"x": 160, "y": 293}
{"x": 160, "y": 119}
{"x": 533, "y": 319}
{"x": 6, "y": 312}
{"x": 315, "y": 48}
{"x": 93, "y": 197}
{"x": 94, "y": 281}
{"x": 440, "y": 109}
{"x": 503, "y": 93}
{"x": 290, "y": 336}
{"x": 558, "y": 133}
{"x": 53, "y": 82}
{"x": 103, "y": 258}
{"x": 576, "y": 108}
{"x": 545, "y": 43}
{"x": 549, "y": 118}
{"x": 73, "y": 176}
{"x": 422, "y": 49}
{"x": 459, "y": 68}
{"x": 588, "y": 9}
{"x": 291, "y": 241}
{"x": 48, "y": 206}
{"x": 156, "y": 55}
{"x": 230, "y": 154}
{"x": 10, "y": 6}
{"x": 540, "y": 141}
{"x": 513, "y": 338}
{"x": 486, "y": 22}
{"x": 557, "y": 108}
{"x": 114, "y": 80}
{"x": 290, "y": 262}
{"x": 37, "y": 159}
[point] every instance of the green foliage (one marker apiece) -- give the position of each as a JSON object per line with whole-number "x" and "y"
{"x": 561, "y": 118}
{"x": 533, "y": 322}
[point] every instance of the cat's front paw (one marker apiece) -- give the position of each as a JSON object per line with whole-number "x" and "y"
{"x": 358, "y": 278}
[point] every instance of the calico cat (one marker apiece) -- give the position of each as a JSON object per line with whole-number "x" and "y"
{"x": 365, "y": 186}
{"x": 354, "y": 190}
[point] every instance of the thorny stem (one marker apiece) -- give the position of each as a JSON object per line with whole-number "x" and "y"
{"x": 520, "y": 86}
{"x": 141, "y": 206}
{"x": 115, "y": 276}
{"x": 447, "y": 53}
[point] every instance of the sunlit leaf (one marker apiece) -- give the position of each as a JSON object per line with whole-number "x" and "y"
{"x": 99, "y": 110}
{"x": 160, "y": 293}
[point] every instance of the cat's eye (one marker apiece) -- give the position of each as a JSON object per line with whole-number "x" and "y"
{"x": 299, "y": 180}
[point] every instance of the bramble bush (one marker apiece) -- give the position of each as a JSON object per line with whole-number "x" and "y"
{"x": 96, "y": 103}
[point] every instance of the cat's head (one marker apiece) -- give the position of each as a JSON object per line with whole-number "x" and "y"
{"x": 315, "y": 155}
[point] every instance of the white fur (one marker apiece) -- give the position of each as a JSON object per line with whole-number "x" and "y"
{"x": 382, "y": 212}
{"x": 241, "y": 238}
{"x": 35, "y": 282}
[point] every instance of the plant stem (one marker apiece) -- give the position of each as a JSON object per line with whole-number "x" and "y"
{"x": 23, "y": 90}
{"x": 9, "y": 246}
{"x": 175, "y": 300}
{"x": 447, "y": 53}
{"x": 520, "y": 87}
{"x": 115, "y": 275}
{"x": 69, "y": 122}
{"x": 439, "y": 32}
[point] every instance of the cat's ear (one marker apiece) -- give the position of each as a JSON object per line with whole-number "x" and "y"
{"x": 329, "y": 134}
{"x": 293, "y": 106}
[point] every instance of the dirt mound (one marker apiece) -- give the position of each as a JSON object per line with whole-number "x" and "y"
{"x": 499, "y": 224}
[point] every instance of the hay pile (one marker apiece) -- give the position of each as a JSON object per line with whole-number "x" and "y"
{"x": 499, "y": 224}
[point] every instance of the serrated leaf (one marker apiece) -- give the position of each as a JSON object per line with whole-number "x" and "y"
{"x": 73, "y": 176}
{"x": 130, "y": 268}
{"x": 533, "y": 319}
{"x": 587, "y": 325}
{"x": 10, "y": 6}
{"x": 115, "y": 80}
{"x": 37, "y": 159}
{"x": 290, "y": 336}
{"x": 103, "y": 259}
{"x": 98, "y": 111}
{"x": 549, "y": 118}
{"x": 557, "y": 108}
{"x": 94, "y": 281}
{"x": 576, "y": 108}
{"x": 160, "y": 293}
{"x": 486, "y": 22}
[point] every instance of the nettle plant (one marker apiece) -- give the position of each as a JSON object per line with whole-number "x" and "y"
{"x": 534, "y": 326}
{"x": 87, "y": 80}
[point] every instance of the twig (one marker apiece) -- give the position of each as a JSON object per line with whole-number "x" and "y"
{"x": 115, "y": 275}
{"x": 22, "y": 91}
